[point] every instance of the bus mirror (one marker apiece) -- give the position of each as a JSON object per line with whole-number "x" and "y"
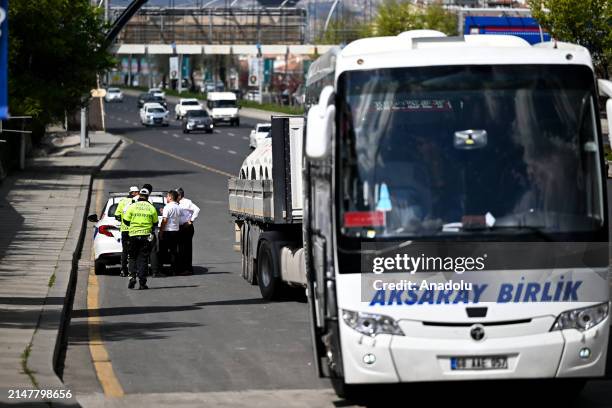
{"x": 320, "y": 125}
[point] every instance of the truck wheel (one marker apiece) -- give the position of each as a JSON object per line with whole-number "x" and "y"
{"x": 269, "y": 285}
{"x": 100, "y": 268}
{"x": 249, "y": 269}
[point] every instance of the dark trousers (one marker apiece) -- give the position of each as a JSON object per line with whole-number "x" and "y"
{"x": 140, "y": 248}
{"x": 168, "y": 246}
{"x": 156, "y": 263}
{"x": 186, "y": 247}
{"x": 125, "y": 247}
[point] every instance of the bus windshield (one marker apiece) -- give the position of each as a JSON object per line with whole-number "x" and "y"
{"x": 461, "y": 151}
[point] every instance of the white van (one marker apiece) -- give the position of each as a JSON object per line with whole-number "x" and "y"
{"x": 223, "y": 107}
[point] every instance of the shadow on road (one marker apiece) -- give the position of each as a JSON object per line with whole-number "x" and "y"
{"x": 118, "y": 331}
{"x": 145, "y": 174}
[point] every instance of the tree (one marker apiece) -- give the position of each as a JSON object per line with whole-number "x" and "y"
{"x": 396, "y": 16}
{"x": 584, "y": 22}
{"x": 54, "y": 55}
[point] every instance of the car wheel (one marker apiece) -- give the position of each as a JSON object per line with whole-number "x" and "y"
{"x": 238, "y": 123}
{"x": 185, "y": 131}
{"x": 100, "y": 268}
{"x": 209, "y": 131}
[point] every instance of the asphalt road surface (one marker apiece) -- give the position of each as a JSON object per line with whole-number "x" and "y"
{"x": 194, "y": 334}
{"x": 206, "y": 339}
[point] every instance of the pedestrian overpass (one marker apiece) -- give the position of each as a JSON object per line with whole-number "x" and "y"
{"x": 224, "y": 49}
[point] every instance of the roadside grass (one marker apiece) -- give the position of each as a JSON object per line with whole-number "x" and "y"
{"x": 51, "y": 281}
{"x": 24, "y": 364}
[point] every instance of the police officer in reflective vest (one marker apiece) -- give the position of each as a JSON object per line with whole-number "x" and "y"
{"x": 125, "y": 236}
{"x": 141, "y": 218}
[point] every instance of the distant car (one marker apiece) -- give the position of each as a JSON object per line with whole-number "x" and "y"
{"x": 152, "y": 114}
{"x": 253, "y": 96}
{"x": 223, "y": 107}
{"x": 184, "y": 105}
{"x": 113, "y": 95}
{"x": 107, "y": 235}
{"x": 157, "y": 92}
{"x": 261, "y": 132}
{"x": 150, "y": 98}
{"x": 195, "y": 120}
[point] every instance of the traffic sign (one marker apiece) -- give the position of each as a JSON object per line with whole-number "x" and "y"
{"x": 3, "y": 59}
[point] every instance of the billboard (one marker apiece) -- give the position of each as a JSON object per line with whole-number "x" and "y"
{"x": 254, "y": 71}
{"x": 526, "y": 28}
{"x": 174, "y": 67}
{"x": 3, "y": 59}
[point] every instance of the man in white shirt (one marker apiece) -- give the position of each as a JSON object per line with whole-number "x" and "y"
{"x": 189, "y": 213}
{"x": 169, "y": 231}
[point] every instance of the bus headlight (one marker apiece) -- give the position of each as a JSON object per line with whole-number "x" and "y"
{"x": 371, "y": 324}
{"x": 581, "y": 319}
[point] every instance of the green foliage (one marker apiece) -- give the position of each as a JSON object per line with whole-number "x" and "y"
{"x": 396, "y": 16}
{"x": 289, "y": 110}
{"x": 54, "y": 56}
{"x": 343, "y": 31}
{"x": 584, "y": 22}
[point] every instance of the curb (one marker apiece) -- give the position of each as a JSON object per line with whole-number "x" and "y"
{"x": 50, "y": 336}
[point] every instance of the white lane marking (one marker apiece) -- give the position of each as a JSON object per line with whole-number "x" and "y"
{"x": 231, "y": 134}
{"x": 175, "y": 135}
{"x": 135, "y": 123}
{"x": 216, "y": 131}
{"x": 231, "y": 152}
{"x": 188, "y": 139}
{"x": 245, "y": 138}
{"x": 216, "y": 148}
{"x": 201, "y": 143}
{"x": 165, "y": 132}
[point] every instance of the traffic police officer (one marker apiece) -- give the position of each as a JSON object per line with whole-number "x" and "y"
{"x": 141, "y": 218}
{"x": 125, "y": 236}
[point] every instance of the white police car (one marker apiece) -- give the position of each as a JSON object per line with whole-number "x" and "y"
{"x": 107, "y": 234}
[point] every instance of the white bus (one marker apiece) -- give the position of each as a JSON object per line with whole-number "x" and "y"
{"x": 455, "y": 215}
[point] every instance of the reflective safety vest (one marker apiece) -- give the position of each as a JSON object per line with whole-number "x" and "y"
{"x": 121, "y": 209}
{"x": 142, "y": 215}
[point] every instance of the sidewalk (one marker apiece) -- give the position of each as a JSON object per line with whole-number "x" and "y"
{"x": 42, "y": 215}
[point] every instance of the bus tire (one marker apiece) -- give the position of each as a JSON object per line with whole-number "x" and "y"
{"x": 345, "y": 391}
{"x": 269, "y": 284}
{"x": 100, "y": 268}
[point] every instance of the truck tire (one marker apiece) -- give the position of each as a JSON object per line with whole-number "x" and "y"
{"x": 270, "y": 285}
{"x": 100, "y": 268}
{"x": 249, "y": 269}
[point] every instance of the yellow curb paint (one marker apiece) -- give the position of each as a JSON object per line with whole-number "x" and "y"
{"x": 99, "y": 355}
{"x": 174, "y": 156}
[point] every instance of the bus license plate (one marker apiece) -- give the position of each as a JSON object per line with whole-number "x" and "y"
{"x": 479, "y": 363}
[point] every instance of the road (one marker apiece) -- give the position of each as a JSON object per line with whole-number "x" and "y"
{"x": 206, "y": 339}
{"x": 196, "y": 334}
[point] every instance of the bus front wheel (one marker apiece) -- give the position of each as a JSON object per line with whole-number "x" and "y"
{"x": 346, "y": 391}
